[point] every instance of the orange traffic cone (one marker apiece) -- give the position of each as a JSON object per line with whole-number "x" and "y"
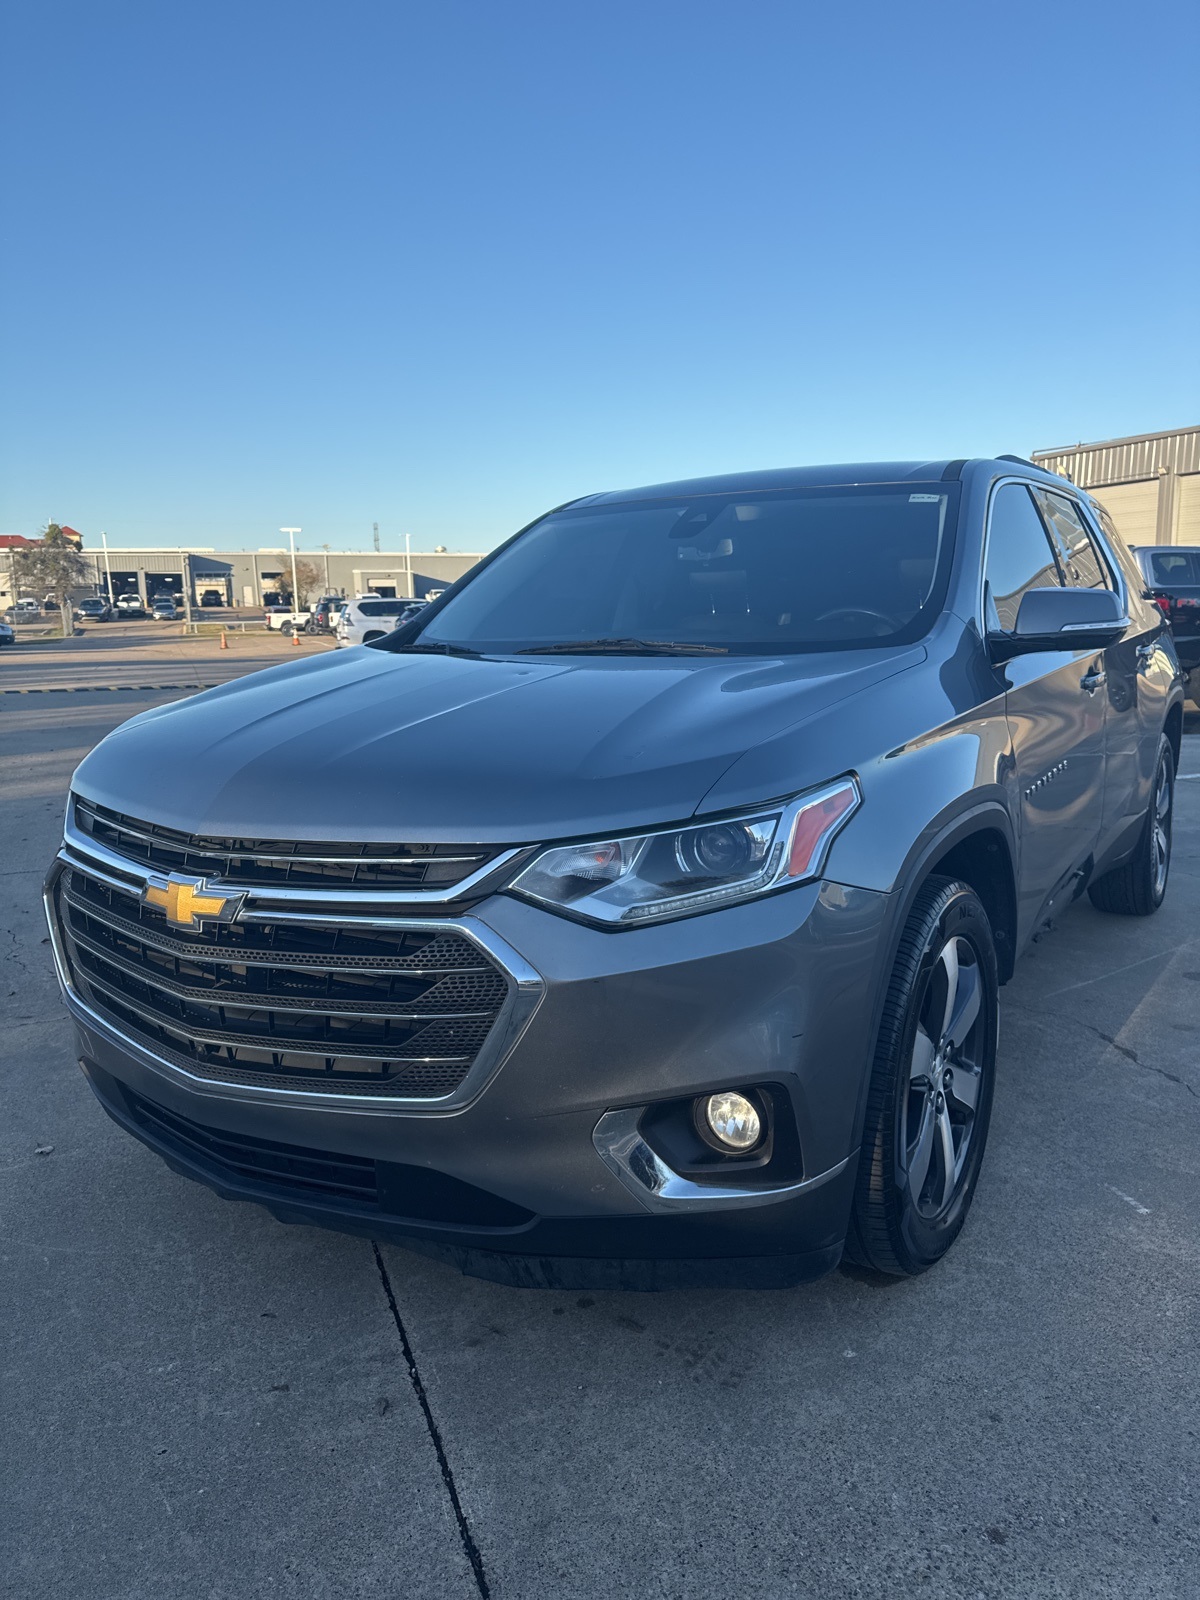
{"x": 295, "y": 636}
{"x": 224, "y": 640}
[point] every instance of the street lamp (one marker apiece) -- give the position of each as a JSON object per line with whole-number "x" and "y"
{"x": 291, "y": 533}
{"x": 107, "y": 568}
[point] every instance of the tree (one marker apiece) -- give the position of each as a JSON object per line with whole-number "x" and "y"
{"x": 52, "y": 568}
{"x": 307, "y": 579}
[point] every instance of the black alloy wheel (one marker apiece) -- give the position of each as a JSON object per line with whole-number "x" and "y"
{"x": 930, "y": 1096}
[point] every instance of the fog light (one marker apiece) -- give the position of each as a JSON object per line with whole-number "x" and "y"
{"x": 733, "y": 1121}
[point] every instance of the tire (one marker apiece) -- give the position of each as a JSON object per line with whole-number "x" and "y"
{"x": 930, "y": 1097}
{"x": 1139, "y": 886}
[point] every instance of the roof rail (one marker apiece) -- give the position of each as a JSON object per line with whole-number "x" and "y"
{"x": 953, "y": 470}
{"x": 1022, "y": 461}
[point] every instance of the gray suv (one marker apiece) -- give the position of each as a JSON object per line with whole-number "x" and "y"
{"x": 635, "y": 914}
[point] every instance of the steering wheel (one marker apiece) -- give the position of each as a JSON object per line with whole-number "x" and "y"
{"x": 858, "y": 611}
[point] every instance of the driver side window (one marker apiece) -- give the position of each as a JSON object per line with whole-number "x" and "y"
{"x": 1019, "y": 557}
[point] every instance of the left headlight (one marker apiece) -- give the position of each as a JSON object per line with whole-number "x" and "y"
{"x": 672, "y": 872}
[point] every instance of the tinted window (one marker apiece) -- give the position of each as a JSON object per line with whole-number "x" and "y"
{"x": 1019, "y": 557}
{"x": 1077, "y": 553}
{"x": 381, "y": 608}
{"x": 816, "y": 569}
{"x": 1178, "y": 567}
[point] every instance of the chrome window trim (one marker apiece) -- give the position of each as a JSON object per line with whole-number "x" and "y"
{"x": 526, "y": 989}
{"x": 86, "y": 847}
{"x": 659, "y": 1187}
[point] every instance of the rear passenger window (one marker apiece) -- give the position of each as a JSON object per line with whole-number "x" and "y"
{"x": 1081, "y": 561}
{"x": 1019, "y": 557}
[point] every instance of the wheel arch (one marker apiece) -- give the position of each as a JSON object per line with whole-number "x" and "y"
{"x": 977, "y": 847}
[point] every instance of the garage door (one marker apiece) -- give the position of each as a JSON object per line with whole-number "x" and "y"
{"x": 1133, "y": 507}
{"x": 1187, "y": 524}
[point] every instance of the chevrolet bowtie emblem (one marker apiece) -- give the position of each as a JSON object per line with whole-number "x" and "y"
{"x": 188, "y": 902}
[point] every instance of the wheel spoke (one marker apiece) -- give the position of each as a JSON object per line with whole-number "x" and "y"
{"x": 918, "y": 1161}
{"x": 922, "y": 1058}
{"x": 1163, "y": 800}
{"x": 949, "y": 960}
{"x": 966, "y": 1008}
{"x": 945, "y": 1134}
{"x": 964, "y": 1086}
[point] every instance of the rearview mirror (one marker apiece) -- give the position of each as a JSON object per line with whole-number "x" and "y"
{"x": 1061, "y": 619}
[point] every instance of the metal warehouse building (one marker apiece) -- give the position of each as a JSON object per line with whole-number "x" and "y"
{"x": 1149, "y": 485}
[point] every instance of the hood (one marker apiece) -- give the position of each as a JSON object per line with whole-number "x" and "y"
{"x": 365, "y": 744}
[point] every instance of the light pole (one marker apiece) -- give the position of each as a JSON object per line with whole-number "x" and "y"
{"x": 408, "y": 564}
{"x": 291, "y": 533}
{"x": 107, "y": 568}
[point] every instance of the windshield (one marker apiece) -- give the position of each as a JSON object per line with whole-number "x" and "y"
{"x": 799, "y": 570}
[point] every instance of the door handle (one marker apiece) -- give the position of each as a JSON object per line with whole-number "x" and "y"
{"x": 1092, "y": 681}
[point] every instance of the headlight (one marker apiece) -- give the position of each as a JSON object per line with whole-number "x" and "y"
{"x": 649, "y": 877}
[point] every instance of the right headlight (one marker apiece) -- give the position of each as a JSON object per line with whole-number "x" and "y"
{"x": 673, "y": 872}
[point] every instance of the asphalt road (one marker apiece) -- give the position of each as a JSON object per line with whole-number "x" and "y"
{"x": 200, "y": 1402}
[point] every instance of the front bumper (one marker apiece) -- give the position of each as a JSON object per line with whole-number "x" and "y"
{"x": 519, "y": 1182}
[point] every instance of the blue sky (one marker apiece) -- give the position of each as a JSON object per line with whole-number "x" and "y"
{"x": 442, "y": 266}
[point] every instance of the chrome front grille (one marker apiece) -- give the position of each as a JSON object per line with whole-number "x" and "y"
{"x": 281, "y": 862}
{"x": 350, "y": 1001}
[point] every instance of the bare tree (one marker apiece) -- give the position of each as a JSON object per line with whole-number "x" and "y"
{"x": 51, "y": 569}
{"x": 307, "y": 579}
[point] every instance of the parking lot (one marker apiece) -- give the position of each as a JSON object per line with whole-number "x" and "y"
{"x": 199, "y": 1401}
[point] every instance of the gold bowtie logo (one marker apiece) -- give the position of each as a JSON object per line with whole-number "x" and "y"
{"x": 188, "y": 902}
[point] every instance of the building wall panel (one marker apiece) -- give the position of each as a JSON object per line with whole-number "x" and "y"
{"x": 1133, "y": 507}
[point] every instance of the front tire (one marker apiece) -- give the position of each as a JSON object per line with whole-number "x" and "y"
{"x": 930, "y": 1097}
{"x": 1139, "y": 886}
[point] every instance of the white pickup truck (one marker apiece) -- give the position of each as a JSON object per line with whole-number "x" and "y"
{"x": 283, "y": 620}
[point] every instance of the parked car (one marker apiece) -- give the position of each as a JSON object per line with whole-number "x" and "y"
{"x": 1172, "y": 574}
{"x": 642, "y": 912}
{"x": 162, "y": 609}
{"x": 130, "y": 605}
{"x": 211, "y": 597}
{"x": 93, "y": 610}
{"x": 369, "y": 617}
{"x": 324, "y": 615}
{"x": 24, "y": 610}
{"x": 7, "y": 636}
{"x": 50, "y": 604}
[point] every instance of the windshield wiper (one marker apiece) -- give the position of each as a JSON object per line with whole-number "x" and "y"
{"x": 624, "y": 647}
{"x": 438, "y": 649}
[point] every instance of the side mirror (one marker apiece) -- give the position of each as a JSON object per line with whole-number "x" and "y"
{"x": 1061, "y": 619}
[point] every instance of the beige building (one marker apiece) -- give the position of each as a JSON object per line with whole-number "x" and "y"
{"x": 1149, "y": 484}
